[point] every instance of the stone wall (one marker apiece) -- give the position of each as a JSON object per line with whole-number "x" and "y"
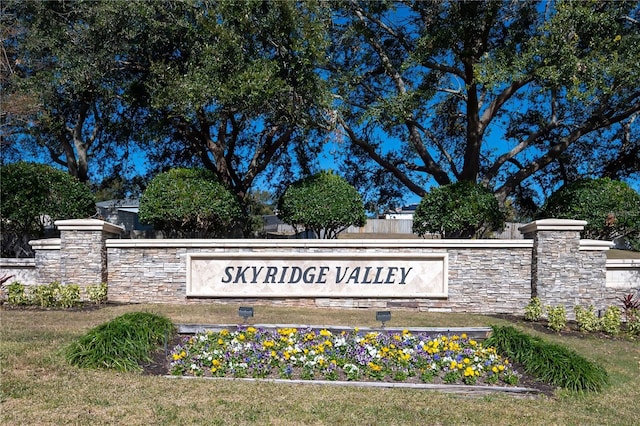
{"x": 22, "y": 269}
{"x": 483, "y": 276}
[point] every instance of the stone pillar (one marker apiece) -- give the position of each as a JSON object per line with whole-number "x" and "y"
{"x": 566, "y": 270}
{"x": 47, "y": 260}
{"x": 83, "y": 253}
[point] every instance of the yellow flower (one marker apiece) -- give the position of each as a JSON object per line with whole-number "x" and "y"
{"x": 453, "y": 365}
{"x": 325, "y": 333}
{"x": 251, "y": 330}
{"x": 469, "y": 372}
{"x": 374, "y": 367}
{"x": 241, "y": 337}
{"x": 463, "y": 335}
{"x": 617, "y": 38}
{"x": 220, "y": 342}
{"x": 494, "y": 369}
{"x": 215, "y": 363}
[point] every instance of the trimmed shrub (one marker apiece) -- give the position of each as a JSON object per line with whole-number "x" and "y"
{"x": 611, "y": 208}
{"x": 460, "y": 210}
{"x": 587, "y": 319}
{"x": 16, "y": 294}
{"x": 611, "y": 320}
{"x": 97, "y": 293}
{"x": 556, "y": 317}
{"x": 533, "y": 310}
{"x": 324, "y": 203}
{"x": 189, "y": 202}
{"x": 68, "y": 296}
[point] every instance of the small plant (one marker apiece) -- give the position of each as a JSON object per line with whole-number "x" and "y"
{"x": 45, "y": 296}
{"x": 69, "y": 296}
{"x": 122, "y": 343}
{"x": 533, "y": 311}
{"x": 611, "y": 320}
{"x": 556, "y": 317}
{"x": 629, "y": 302}
{"x": 587, "y": 319}
{"x": 16, "y": 294}
{"x": 97, "y": 293}
{"x": 633, "y": 322}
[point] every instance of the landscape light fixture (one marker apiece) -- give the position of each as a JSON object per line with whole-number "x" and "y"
{"x": 383, "y": 316}
{"x": 245, "y": 312}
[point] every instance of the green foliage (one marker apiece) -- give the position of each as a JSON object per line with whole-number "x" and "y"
{"x": 460, "y": 210}
{"x": 97, "y": 293}
{"x": 122, "y": 343}
{"x": 629, "y": 303}
{"x": 611, "y": 320}
{"x": 69, "y": 295}
{"x": 548, "y": 362}
{"x": 79, "y": 64}
{"x": 52, "y": 295}
{"x": 556, "y": 317}
{"x": 437, "y": 81}
{"x": 32, "y": 192}
{"x": 611, "y": 208}
{"x": 237, "y": 82}
{"x": 189, "y": 201}
{"x": 587, "y": 319}
{"x": 324, "y": 203}
{"x": 45, "y": 296}
{"x": 533, "y": 310}
{"x": 16, "y": 294}
{"x": 633, "y": 322}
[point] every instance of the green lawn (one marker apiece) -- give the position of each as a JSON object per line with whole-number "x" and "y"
{"x": 38, "y": 387}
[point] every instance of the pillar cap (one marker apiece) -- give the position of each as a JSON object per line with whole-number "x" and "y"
{"x": 553, "y": 225}
{"x": 88, "y": 225}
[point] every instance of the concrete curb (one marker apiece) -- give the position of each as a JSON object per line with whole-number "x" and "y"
{"x": 459, "y": 389}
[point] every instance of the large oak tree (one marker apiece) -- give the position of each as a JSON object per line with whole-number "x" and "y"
{"x": 76, "y": 62}
{"x": 238, "y": 89}
{"x": 497, "y": 92}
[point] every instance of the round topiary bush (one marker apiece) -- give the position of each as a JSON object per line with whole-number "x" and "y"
{"x": 324, "y": 203}
{"x": 611, "y": 208}
{"x": 460, "y": 210}
{"x": 189, "y": 202}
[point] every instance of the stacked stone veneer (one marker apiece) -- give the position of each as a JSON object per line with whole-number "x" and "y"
{"x": 565, "y": 269}
{"x": 484, "y": 276}
{"x": 79, "y": 256}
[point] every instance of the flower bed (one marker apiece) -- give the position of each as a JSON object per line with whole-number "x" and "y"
{"x": 309, "y": 354}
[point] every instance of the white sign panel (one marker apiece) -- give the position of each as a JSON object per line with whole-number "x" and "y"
{"x": 317, "y": 275}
